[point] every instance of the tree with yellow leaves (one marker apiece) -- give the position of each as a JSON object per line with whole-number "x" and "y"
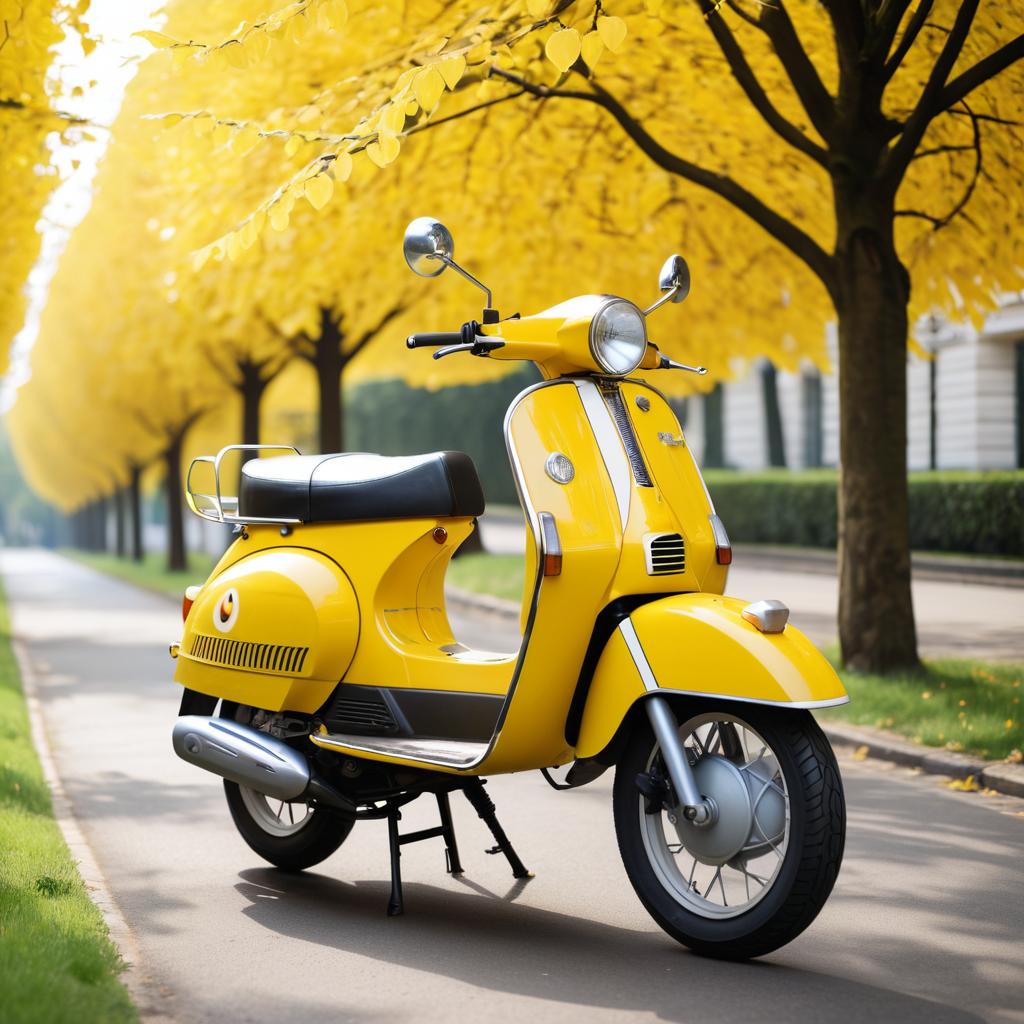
{"x": 874, "y": 147}
{"x": 29, "y": 114}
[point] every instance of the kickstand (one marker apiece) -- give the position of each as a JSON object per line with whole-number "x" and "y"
{"x": 396, "y": 904}
{"x": 446, "y": 831}
{"x": 484, "y": 806}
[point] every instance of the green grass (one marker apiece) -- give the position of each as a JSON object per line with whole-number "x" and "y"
{"x": 968, "y": 706}
{"x": 498, "y": 575}
{"x": 56, "y": 960}
{"x": 150, "y": 573}
{"x": 988, "y": 722}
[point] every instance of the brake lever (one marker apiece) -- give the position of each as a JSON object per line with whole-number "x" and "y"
{"x": 479, "y": 347}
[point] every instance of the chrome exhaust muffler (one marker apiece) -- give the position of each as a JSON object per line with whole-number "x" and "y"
{"x": 254, "y": 759}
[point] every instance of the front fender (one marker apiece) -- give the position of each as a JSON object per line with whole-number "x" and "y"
{"x": 700, "y": 644}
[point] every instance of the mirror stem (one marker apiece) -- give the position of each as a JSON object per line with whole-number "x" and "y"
{"x": 667, "y": 297}
{"x": 449, "y": 262}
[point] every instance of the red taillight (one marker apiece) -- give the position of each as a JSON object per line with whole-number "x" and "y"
{"x": 723, "y": 548}
{"x": 187, "y": 600}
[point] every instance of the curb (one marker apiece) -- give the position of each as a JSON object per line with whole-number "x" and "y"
{"x": 883, "y": 746}
{"x": 81, "y": 852}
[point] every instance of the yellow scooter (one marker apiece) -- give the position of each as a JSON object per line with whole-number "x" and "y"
{"x": 344, "y": 694}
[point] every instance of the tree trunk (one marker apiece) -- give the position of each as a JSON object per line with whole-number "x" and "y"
{"x": 251, "y": 388}
{"x": 775, "y": 444}
{"x": 135, "y": 508}
{"x": 119, "y": 530}
{"x": 329, "y": 364}
{"x": 876, "y": 616}
{"x": 175, "y": 512}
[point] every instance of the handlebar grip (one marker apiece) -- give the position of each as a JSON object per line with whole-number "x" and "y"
{"x": 433, "y": 340}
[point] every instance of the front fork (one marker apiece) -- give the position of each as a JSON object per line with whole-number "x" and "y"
{"x": 695, "y": 807}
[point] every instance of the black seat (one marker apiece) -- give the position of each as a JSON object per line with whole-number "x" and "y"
{"x": 356, "y": 485}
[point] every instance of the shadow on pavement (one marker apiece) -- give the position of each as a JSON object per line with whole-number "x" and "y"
{"x": 508, "y": 947}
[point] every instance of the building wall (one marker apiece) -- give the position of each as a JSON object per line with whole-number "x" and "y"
{"x": 975, "y": 394}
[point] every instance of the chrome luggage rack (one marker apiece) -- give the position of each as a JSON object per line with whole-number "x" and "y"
{"x": 223, "y": 508}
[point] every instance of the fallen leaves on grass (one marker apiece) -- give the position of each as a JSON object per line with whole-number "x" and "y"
{"x": 861, "y": 753}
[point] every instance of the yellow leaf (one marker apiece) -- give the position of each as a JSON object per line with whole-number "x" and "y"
{"x": 293, "y": 145}
{"x": 393, "y": 118}
{"x": 234, "y": 53}
{"x": 591, "y": 48}
{"x": 200, "y": 257}
{"x": 861, "y": 753}
{"x": 319, "y": 190}
{"x": 563, "y": 48}
{"x": 427, "y": 88}
{"x": 245, "y": 138}
{"x": 384, "y": 150}
{"x": 452, "y": 70}
{"x": 278, "y": 217}
{"x": 654, "y": 7}
{"x": 343, "y": 166}
{"x": 221, "y": 134}
{"x": 233, "y": 247}
{"x": 336, "y": 13}
{"x": 968, "y": 785}
{"x": 156, "y": 39}
{"x": 538, "y": 8}
{"x": 612, "y": 31}
{"x": 479, "y": 53}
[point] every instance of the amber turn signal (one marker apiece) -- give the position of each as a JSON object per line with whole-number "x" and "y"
{"x": 189, "y": 599}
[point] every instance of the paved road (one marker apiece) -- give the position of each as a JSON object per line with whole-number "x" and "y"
{"x": 954, "y": 619}
{"x": 924, "y": 926}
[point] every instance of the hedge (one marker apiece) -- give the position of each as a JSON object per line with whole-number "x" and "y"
{"x": 975, "y": 513}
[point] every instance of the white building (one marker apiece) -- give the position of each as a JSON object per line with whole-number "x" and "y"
{"x": 965, "y": 407}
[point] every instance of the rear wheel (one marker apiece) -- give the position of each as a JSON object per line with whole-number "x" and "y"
{"x": 291, "y": 835}
{"x": 755, "y": 878}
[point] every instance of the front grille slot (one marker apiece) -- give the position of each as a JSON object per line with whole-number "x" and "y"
{"x": 665, "y": 553}
{"x": 616, "y": 406}
{"x": 274, "y": 658}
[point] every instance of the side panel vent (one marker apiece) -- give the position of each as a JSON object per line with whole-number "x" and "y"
{"x": 362, "y": 714}
{"x": 276, "y": 659}
{"x": 665, "y": 553}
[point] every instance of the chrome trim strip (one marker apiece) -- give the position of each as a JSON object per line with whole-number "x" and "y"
{"x": 802, "y": 705}
{"x": 636, "y": 651}
{"x": 610, "y": 444}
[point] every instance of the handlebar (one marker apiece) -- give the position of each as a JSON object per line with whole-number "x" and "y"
{"x": 434, "y": 339}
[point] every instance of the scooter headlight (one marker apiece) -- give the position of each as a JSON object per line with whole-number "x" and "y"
{"x": 618, "y": 337}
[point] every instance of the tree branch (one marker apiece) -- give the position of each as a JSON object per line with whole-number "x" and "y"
{"x": 914, "y": 26}
{"x": 980, "y": 73}
{"x": 783, "y": 231}
{"x": 802, "y": 73}
{"x": 898, "y": 158}
{"x": 748, "y": 82}
{"x": 371, "y": 332}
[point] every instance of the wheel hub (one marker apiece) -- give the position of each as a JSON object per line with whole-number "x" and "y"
{"x": 751, "y": 813}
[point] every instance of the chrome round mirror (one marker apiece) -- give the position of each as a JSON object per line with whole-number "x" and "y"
{"x": 427, "y": 245}
{"x": 675, "y": 274}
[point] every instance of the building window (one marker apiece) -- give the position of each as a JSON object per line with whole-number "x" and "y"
{"x": 811, "y": 403}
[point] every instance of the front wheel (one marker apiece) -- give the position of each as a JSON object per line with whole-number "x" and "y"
{"x": 757, "y": 876}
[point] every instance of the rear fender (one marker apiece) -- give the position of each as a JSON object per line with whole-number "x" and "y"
{"x": 699, "y": 645}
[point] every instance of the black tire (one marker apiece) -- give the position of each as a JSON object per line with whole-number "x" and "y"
{"x": 320, "y": 835}
{"x": 817, "y": 829}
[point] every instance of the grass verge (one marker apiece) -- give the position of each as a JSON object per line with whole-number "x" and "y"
{"x": 967, "y": 706}
{"x": 151, "y": 572}
{"x": 56, "y": 960}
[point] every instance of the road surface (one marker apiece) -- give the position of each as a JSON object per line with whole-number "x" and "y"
{"x": 924, "y": 925}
